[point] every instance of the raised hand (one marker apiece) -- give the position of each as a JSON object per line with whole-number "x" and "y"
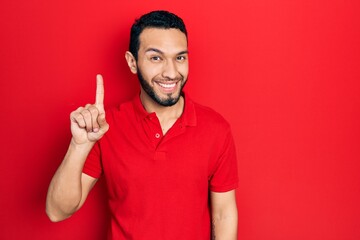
{"x": 88, "y": 124}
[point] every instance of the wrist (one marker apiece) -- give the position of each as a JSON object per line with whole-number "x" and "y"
{"x": 83, "y": 147}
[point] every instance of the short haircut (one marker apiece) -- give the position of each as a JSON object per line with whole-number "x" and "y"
{"x": 155, "y": 19}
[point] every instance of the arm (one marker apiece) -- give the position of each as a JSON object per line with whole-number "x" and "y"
{"x": 224, "y": 215}
{"x": 69, "y": 187}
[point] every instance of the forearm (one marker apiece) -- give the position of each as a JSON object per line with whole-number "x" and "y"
{"x": 224, "y": 226}
{"x": 224, "y": 215}
{"x": 65, "y": 190}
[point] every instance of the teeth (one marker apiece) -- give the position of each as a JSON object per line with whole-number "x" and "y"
{"x": 167, "y": 85}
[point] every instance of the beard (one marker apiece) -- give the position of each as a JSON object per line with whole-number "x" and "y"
{"x": 170, "y": 100}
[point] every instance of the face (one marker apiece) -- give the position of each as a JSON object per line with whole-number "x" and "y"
{"x": 162, "y": 65}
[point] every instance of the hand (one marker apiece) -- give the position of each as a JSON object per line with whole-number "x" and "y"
{"x": 88, "y": 124}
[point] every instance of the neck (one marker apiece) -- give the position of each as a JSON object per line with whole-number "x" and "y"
{"x": 166, "y": 115}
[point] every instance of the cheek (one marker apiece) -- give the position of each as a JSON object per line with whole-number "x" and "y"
{"x": 149, "y": 71}
{"x": 184, "y": 70}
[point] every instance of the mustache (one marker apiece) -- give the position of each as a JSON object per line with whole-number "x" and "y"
{"x": 167, "y": 79}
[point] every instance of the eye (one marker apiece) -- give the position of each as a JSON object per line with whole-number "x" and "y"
{"x": 155, "y": 58}
{"x": 181, "y": 58}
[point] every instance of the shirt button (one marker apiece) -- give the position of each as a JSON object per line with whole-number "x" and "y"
{"x": 157, "y": 135}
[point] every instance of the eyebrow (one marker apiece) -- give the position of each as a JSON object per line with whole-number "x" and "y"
{"x": 161, "y": 52}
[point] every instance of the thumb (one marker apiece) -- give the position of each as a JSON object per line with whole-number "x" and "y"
{"x": 104, "y": 126}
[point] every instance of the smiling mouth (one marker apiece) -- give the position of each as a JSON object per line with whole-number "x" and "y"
{"x": 167, "y": 86}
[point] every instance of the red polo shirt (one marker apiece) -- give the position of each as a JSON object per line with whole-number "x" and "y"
{"x": 159, "y": 185}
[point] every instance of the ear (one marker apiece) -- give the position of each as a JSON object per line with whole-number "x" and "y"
{"x": 130, "y": 59}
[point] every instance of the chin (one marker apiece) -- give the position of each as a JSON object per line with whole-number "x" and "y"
{"x": 169, "y": 101}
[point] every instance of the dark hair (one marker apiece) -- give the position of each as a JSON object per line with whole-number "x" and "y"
{"x": 155, "y": 19}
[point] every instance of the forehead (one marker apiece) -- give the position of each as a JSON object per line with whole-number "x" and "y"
{"x": 166, "y": 40}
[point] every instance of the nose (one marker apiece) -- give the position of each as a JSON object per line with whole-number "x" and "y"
{"x": 170, "y": 70}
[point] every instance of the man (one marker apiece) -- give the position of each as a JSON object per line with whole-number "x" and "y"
{"x": 169, "y": 163}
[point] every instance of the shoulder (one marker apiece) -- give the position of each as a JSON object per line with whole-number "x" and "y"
{"x": 120, "y": 110}
{"x": 209, "y": 117}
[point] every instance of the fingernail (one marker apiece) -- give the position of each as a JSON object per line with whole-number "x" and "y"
{"x": 95, "y": 130}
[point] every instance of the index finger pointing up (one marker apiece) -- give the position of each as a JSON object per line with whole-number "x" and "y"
{"x": 99, "y": 100}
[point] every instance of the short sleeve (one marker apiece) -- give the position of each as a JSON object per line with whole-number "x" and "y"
{"x": 93, "y": 165}
{"x": 225, "y": 174}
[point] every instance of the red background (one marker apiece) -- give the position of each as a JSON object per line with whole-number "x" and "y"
{"x": 284, "y": 73}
